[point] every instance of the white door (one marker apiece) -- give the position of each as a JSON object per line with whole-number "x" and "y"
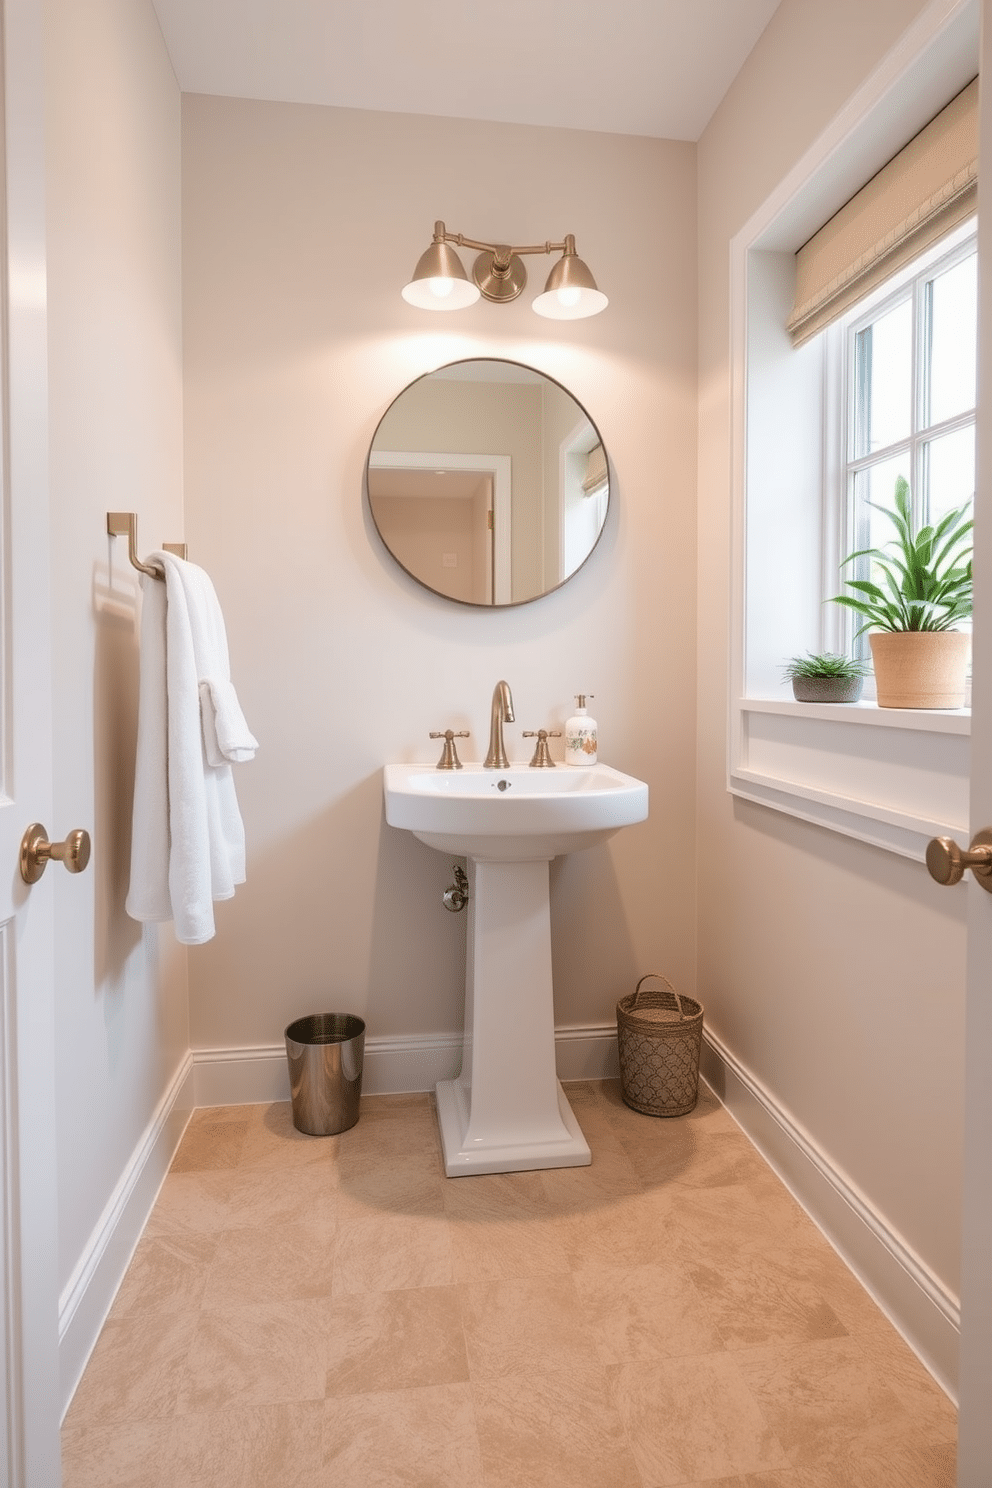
{"x": 29, "y": 1450}
{"x": 975, "y": 1426}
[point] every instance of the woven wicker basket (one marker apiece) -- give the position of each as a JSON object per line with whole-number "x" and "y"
{"x": 659, "y": 1034}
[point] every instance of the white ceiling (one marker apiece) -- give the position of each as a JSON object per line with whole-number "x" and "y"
{"x": 651, "y": 67}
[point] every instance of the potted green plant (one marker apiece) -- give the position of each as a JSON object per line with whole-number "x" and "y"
{"x": 825, "y": 678}
{"x": 920, "y": 659}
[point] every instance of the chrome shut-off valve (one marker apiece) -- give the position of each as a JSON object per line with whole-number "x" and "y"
{"x": 455, "y": 896}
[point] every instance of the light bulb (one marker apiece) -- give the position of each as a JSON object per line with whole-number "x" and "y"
{"x": 440, "y": 292}
{"x": 570, "y": 302}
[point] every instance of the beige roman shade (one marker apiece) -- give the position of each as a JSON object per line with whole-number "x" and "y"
{"x": 923, "y": 192}
{"x": 596, "y": 475}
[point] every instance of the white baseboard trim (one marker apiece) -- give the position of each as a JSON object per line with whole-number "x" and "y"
{"x": 915, "y": 1301}
{"x": 393, "y": 1066}
{"x": 87, "y": 1296}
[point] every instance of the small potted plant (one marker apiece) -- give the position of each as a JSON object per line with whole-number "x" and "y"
{"x": 920, "y": 659}
{"x": 825, "y": 678}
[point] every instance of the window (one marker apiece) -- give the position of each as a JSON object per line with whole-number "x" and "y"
{"x": 822, "y": 423}
{"x": 909, "y": 382}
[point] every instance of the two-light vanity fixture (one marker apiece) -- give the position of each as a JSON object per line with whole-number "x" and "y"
{"x": 440, "y": 283}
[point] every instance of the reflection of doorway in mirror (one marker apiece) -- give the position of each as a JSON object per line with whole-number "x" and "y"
{"x": 446, "y": 519}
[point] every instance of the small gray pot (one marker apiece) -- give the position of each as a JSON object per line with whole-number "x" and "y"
{"x": 827, "y": 689}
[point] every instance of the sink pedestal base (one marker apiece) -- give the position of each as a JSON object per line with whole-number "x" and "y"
{"x": 507, "y": 1112}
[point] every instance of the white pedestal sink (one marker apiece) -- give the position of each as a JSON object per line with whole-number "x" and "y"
{"x": 506, "y": 1111}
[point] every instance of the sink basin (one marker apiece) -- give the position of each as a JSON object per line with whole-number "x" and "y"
{"x": 516, "y": 814}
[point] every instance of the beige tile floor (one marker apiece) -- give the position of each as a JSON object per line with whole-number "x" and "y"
{"x": 334, "y": 1311}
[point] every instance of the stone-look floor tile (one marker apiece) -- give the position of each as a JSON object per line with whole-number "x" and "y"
{"x": 127, "y": 1454}
{"x": 192, "y": 1203}
{"x": 894, "y": 1361}
{"x": 689, "y": 1154}
{"x": 931, "y": 1467}
{"x": 211, "y": 1115}
{"x": 393, "y": 1125}
{"x": 248, "y": 1356}
{"x": 734, "y": 1482}
{"x": 419, "y": 1438}
{"x": 645, "y": 1313}
{"x": 349, "y": 1265}
{"x": 506, "y": 1198}
{"x": 275, "y": 1198}
{"x": 611, "y": 1175}
{"x": 383, "y": 1341}
{"x": 135, "y": 1371}
{"x": 895, "y": 1467}
{"x": 758, "y": 1302}
{"x": 717, "y": 1226}
{"x": 275, "y": 1264}
{"x": 391, "y": 1252}
{"x": 524, "y": 1326}
{"x": 166, "y": 1274}
{"x": 254, "y": 1447}
{"x": 819, "y": 1397}
{"x": 559, "y": 1430}
{"x": 815, "y": 1260}
{"x": 693, "y": 1418}
{"x": 272, "y": 1141}
{"x": 207, "y": 1146}
{"x": 492, "y": 1250}
{"x": 623, "y": 1233}
{"x": 411, "y": 1183}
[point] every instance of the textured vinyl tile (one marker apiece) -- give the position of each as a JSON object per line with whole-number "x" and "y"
{"x": 318, "y": 1311}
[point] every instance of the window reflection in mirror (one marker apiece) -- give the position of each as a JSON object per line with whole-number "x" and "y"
{"x": 488, "y": 482}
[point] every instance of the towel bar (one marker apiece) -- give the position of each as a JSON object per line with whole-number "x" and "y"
{"x": 125, "y": 524}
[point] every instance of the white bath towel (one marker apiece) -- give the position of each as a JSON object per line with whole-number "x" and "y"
{"x": 187, "y": 838}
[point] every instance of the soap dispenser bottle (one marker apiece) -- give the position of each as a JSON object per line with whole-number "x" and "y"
{"x": 580, "y": 735}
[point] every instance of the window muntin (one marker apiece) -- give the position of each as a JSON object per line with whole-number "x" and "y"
{"x": 910, "y": 408}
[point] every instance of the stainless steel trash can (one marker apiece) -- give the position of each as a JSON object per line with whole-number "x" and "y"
{"x": 325, "y": 1052}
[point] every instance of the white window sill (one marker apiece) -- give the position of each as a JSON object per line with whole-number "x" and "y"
{"x": 894, "y": 777}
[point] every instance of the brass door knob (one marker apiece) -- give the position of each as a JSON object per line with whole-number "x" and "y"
{"x": 37, "y": 851}
{"x": 947, "y": 862}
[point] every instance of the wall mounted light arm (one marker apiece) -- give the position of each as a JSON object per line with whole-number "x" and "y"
{"x": 440, "y": 283}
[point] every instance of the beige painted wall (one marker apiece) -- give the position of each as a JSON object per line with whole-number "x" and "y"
{"x": 300, "y": 226}
{"x": 832, "y": 970}
{"x": 440, "y": 539}
{"x": 115, "y": 368}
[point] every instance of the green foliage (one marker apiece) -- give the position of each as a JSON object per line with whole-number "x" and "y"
{"x": 927, "y": 574}
{"x": 825, "y": 665}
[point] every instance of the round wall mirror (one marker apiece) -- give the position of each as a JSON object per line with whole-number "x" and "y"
{"x": 488, "y": 482}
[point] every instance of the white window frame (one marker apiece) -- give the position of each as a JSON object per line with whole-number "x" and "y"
{"x": 891, "y": 777}
{"x": 841, "y": 463}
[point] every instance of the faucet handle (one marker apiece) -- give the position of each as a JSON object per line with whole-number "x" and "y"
{"x": 542, "y": 755}
{"x": 449, "y": 755}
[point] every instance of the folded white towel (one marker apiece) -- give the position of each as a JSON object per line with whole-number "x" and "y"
{"x": 188, "y": 845}
{"x": 226, "y": 735}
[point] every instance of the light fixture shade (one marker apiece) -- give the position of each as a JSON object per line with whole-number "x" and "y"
{"x": 571, "y": 292}
{"x": 439, "y": 281}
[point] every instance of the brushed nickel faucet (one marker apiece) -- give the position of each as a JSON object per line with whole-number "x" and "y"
{"x": 502, "y": 712}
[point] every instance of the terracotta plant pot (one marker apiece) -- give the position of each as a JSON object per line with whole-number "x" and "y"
{"x": 827, "y": 689}
{"x": 920, "y": 668}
